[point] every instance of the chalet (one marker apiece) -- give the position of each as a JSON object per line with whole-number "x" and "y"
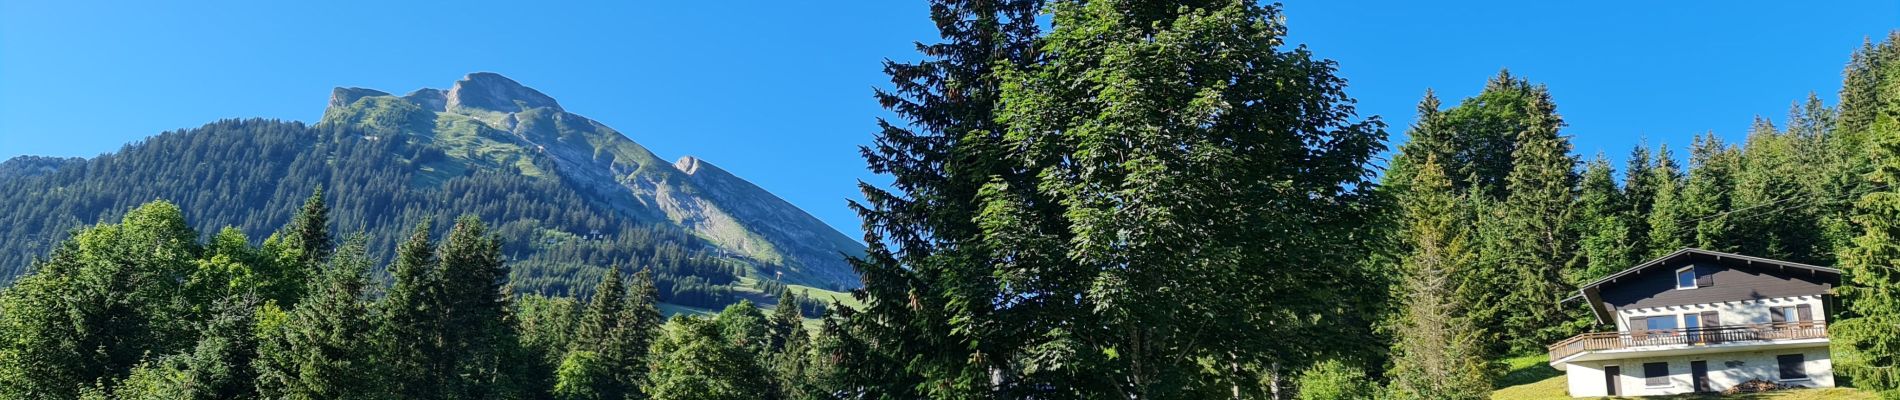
{"x": 1702, "y": 321}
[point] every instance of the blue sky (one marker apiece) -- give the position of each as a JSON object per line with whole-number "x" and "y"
{"x": 779, "y": 91}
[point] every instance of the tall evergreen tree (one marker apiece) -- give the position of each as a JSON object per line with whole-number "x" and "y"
{"x": 409, "y": 328}
{"x": 478, "y": 336}
{"x": 1772, "y": 203}
{"x": 1708, "y": 195}
{"x": 1438, "y": 354}
{"x": 1639, "y": 197}
{"x": 322, "y": 351}
{"x": 1870, "y": 340}
{"x": 1534, "y": 242}
{"x": 602, "y": 315}
{"x": 1603, "y": 218}
{"x": 921, "y": 235}
{"x": 1670, "y": 227}
{"x": 640, "y": 323}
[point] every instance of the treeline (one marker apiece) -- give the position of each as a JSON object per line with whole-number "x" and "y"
{"x": 248, "y": 175}
{"x": 142, "y": 309}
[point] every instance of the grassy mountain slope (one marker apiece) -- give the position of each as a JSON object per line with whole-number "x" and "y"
{"x": 571, "y": 197}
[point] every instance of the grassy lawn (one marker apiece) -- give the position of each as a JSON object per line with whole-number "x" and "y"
{"x": 1529, "y": 378}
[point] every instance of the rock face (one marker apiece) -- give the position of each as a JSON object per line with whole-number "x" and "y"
{"x": 505, "y": 125}
{"x": 493, "y": 92}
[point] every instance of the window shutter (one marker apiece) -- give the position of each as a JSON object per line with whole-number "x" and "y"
{"x": 1637, "y": 325}
{"x": 1775, "y": 315}
{"x": 1806, "y": 312}
{"x": 1711, "y": 319}
{"x": 1704, "y": 277}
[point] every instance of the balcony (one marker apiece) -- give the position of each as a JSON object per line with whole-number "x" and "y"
{"x": 1724, "y": 335}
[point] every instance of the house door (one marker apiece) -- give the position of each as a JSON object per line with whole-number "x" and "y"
{"x": 1610, "y": 373}
{"x": 1699, "y": 375}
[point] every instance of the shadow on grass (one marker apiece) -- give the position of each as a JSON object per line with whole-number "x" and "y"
{"x": 1520, "y": 373}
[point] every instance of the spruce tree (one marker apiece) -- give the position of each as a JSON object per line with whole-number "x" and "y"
{"x": 601, "y": 317}
{"x": 1639, "y": 197}
{"x": 640, "y": 323}
{"x": 1603, "y": 217}
{"x": 1535, "y": 242}
{"x": 1708, "y": 195}
{"x": 1438, "y": 354}
{"x": 477, "y": 335}
{"x": 920, "y": 234}
{"x": 1774, "y": 206}
{"x": 1869, "y": 341}
{"x": 324, "y": 349}
{"x": 409, "y": 331}
{"x": 1670, "y": 225}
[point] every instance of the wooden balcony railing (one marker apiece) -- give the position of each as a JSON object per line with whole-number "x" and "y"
{"x": 1692, "y": 336}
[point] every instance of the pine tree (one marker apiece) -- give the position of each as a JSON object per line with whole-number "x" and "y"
{"x": 1774, "y": 206}
{"x": 1437, "y": 354}
{"x": 601, "y": 317}
{"x": 323, "y": 351}
{"x": 1708, "y": 195}
{"x": 921, "y": 234}
{"x": 787, "y": 345}
{"x": 1869, "y": 341}
{"x": 640, "y": 323}
{"x": 1670, "y": 226}
{"x": 1639, "y": 197}
{"x": 1603, "y": 217}
{"x": 478, "y": 334}
{"x": 410, "y": 328}
{"x": 310, "y": 230}
{"x": 301, "y": 247}
{"x": 785, "y": 322}
{"x": 1536, "y": 236}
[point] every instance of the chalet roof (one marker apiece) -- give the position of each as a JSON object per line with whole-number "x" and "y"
{"x": 1588, "y": 291}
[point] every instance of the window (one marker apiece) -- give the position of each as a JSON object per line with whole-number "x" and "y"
{"x": 1792, "y": 368}
{"x": 1685, "y": 278}
{"x": 1656, "y": 374}
{"x": 1663, "y": 323}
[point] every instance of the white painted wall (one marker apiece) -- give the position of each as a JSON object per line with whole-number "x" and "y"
{"x": 1725, "y": 370}
{"x": 1731, "y": 313}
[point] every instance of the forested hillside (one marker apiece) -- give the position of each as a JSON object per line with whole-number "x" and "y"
{"x": 386, "y": 164}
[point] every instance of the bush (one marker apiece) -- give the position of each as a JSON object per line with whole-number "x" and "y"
{"x": 1334, "y": 380}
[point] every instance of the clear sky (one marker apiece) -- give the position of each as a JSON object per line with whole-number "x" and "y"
{"x": 778, "y": 92}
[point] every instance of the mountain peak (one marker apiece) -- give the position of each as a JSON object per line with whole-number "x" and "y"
{"x": 491, "y": 91}
{"x": 343, "y": 96}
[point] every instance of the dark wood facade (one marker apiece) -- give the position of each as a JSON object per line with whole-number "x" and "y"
{"x": 1721, "y": 277}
